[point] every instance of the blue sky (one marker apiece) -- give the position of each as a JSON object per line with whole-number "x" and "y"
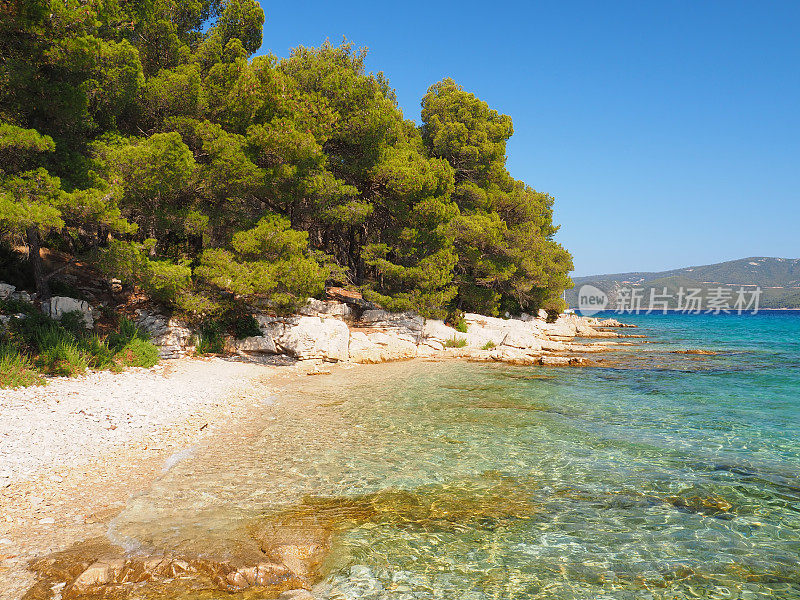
{"x": 668, "y": 132}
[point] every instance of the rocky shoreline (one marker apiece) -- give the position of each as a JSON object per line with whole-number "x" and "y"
{"x": 334, "y": 331}
{"x": 73, "y": 451}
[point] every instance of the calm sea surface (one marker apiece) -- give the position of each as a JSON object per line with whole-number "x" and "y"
{"x": 659, "y": 475}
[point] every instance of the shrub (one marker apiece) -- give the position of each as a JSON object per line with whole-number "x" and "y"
{"x": 166, "y": 280}
{"x": 488, "y": 345}
{"x": 36, "y": 328}
{"x": 137, "y": 353}
{"x": 163, "y": 280}
{"x": 73, "y": 322}
{"x": 12, "y": 306}
{"x": 16, "y": 369}
{"x": 59, "y": 354}
{"x": 456, "y": 320}
{"x": 126, "y": 332}
{"x": 271, "y": 261}
{"x": 59, "y": 287}
{"x": 245, "y": 326}
{"x": 455, "y": 342}
{"x": 66, "y": 348}
{"x": 98, "y": 352}
{"x": 211, "y": 340}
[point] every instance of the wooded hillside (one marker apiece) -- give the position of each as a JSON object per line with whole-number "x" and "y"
{"x": 147, "y": 139}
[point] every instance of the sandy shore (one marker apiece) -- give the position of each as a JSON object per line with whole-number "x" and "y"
{"x": 72, "y": 452}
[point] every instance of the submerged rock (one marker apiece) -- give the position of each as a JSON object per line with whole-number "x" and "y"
{"x": 296, "y": 595}
{"x": 98, "y": 569}
{"x": 281, "y": 552}
{"x": 705, "y": 505}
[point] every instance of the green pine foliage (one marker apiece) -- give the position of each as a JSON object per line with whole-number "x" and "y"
{"x": 146, "y": 137}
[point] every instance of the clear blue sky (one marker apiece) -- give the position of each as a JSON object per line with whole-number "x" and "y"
{"x": 668, "y": 132}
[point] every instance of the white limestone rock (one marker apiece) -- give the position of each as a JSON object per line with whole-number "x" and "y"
{"x": 6, "y": 289}
{"x": 172, "y": 336}
{"x": 263, "y": 344}
{"x": 308, "y": 337}
{"x": 362, "y": 350}
{"x": 514, "y": 333}
{"x": 553, "y": 346}
{"x": 564, "y": 327}
{"x": 380, "y": 347}
{"x": 330, "y": 308}
{"x": 407, "y": 323}
{"x": 435, "y": 332}
{"x": 523, "y": 339}
{"x": 58, "y": 305}
{"x": 584, "y": 330}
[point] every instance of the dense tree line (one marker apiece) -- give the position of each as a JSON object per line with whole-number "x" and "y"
{"x": 145, "y": 135}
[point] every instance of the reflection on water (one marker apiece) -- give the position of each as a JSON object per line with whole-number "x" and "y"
{"x": 472, "y": 481}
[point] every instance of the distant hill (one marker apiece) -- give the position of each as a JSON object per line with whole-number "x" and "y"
{"x": 779, "y": 279}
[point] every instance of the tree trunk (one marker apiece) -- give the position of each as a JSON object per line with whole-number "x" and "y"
{"x": 42, "y": 284}
{"x": 359, "y": 262}
{"x": 152, "y": 235}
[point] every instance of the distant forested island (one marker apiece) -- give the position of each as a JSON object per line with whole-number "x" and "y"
{"x": 145, "y": 140}
{"x": 778, "y": 279}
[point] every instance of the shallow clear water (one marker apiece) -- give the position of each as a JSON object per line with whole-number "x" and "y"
{"x": 660, "y": 476}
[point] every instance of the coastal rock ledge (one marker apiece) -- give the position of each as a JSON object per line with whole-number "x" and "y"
{"x": 332, "y": 331}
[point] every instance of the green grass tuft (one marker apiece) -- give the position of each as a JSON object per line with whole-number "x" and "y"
{"x": 137, "y": 353}
{"x": 16, "y": 369}
{"x": 488, "y": 345}
{"x": 211, "y": 339}
{"x": 455, "y": 342}
{"x": 60, "y": 354}
{"x": 100, "y": 355}
{"x": 127, "y": 331}
{"x": 68, "y": 351}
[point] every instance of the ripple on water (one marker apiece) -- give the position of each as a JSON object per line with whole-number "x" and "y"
{"x": 673, "y": 476}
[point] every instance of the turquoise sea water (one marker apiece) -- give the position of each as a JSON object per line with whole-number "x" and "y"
{"x": 660, "y": 475}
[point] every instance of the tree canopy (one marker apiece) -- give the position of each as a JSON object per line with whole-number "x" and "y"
{"x": 148, "y": 137}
